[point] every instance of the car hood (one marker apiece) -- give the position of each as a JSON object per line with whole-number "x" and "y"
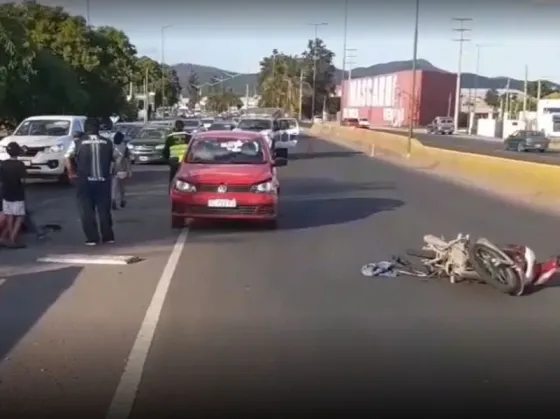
{"x": 233, "y": 174}
{"x": 32, "y": 140}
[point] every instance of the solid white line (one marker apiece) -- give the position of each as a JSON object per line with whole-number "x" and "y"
{"x": 125, "y": 395}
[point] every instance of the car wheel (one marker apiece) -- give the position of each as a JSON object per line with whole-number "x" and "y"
{"x": 542, "y": 150}
{"x": 63, "y": 179}
{"x": 521, "y": 147}
{"x": 177, "y": 222}
{"x": 271, "y": 224}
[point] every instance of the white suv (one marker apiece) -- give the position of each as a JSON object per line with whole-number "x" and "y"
{"x": 44, "y": 141}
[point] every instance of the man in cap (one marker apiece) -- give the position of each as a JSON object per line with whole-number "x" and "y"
{"x": 175, "y": 149}
{"x": 89, "y": 161}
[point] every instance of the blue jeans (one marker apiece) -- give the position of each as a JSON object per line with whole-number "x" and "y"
{"x": 94, "y": 202}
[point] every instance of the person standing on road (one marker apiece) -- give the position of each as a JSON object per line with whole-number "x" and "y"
{"x": 175, "y": 149}
{"x": 12, "y": 175}
{"x": 89, "y": 161}
{"x": 121, "y": 171}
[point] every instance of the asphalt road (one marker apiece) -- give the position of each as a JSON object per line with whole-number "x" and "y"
{"x": 490, "y": 148}
{"x": 279, "y": 320}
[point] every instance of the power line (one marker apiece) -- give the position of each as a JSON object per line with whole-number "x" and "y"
{"x": 461, "y": 30}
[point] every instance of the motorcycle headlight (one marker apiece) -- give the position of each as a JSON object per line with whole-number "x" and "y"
{"x": 160, "y": 146}
{"x": 265, "y": 187}
{"x": 57, "y": 148}
{"x": 183, "y": 186}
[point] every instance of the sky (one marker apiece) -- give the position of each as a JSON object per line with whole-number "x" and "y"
{"x": 235, "y": 34}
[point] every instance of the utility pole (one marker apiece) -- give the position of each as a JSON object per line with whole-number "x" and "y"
{"x": 525, "y": 91}
{"x": 349, "y": 63}
{"x": 412, "y": 105}
{"x": 343, "y": 90}
{"x": 247, "y": 96}
{"x": 300, "y": 93}
{"x": 163, "y": 28}
{"x": 461, "y": 30}
{"x": 146, "y": 96}
{"x": 87, "y": 13}
{"x": 315, "y": 58}
{"x": 539, "y": 88}
{"x": 476, "y": 75}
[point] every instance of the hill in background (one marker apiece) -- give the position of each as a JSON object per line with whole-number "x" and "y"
{"x": 239, "y": 83}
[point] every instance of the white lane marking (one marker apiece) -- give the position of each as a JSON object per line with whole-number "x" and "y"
{"x": 125, "y": 395}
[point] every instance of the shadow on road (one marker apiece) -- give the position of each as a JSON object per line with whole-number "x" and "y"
{"x": 303, "y": 214}
{"x": 25, "y": 298}
{"x": 318, "y": 186}
{"x": 323, "y": 154}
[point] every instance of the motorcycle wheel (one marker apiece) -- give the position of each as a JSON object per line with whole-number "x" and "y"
{"x": 505, "y": 279}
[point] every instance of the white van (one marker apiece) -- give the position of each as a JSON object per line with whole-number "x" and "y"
{"x": 44, "y": 140}
{"x": 289, "y": 128}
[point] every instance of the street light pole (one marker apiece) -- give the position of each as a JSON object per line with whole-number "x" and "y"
{"x": 461, "y": 30}
{"x": 315, "y": 58}
{"x": 87, "y": 12}
{"x": 412, "y": 105}
{"x": 163, "y": 28}
{"x": 343, "y": 82}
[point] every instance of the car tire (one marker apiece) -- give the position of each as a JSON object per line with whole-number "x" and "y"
{"x": 63, "y": 179}
{"x": 541, "y": 150}
{"x": 271, "y": 224}
{"x": 177, "y": 222}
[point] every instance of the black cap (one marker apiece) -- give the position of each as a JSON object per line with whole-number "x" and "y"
{"x": 91, "y": 126}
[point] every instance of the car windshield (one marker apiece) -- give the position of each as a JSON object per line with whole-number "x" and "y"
{"x": 226, "y": 151}
{"x": 255, "y": 124}
{"x": 219, "y": 127}
{"x": 152, "y": 134}
{"x": 50, "y": 127}
{"x": 191, "y": 123}
{"x": 533, "y": 133}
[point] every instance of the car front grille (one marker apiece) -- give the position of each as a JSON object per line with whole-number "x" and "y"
{"x": 31, "y": 151}
{"x": 230, "y": 188}
{"x": 239, "y": 210}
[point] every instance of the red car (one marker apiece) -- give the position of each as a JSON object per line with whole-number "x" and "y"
{"x": 227, "y": 175}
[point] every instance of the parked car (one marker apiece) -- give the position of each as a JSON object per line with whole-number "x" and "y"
{"x": 351, "y": 122}
{"x": 525, "y": 140}
{"x": 441, "y": 125}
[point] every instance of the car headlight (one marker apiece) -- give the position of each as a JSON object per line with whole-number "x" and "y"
{"x": 183, "y": 186}
{"x": 265, "y": 187}
{"x": 160, "y": 146}
{"x": 2, "y": 149}
{"x": 130, "y": 146}
{"x": 58, "y": 148}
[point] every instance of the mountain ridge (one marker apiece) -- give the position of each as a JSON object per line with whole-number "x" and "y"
{"x": 240, "y": 82}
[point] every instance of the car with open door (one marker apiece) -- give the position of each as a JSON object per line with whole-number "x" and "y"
{"x": 227, "y": 175}
{"x": 288, "y": 135}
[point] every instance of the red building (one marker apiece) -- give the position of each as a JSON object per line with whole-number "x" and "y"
{"x": 386, "y": 100}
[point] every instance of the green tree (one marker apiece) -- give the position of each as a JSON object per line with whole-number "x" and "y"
{"x": 492, "y": 98}
{"x": 223, "y": 101}
{"x": 547, "y": 88}
{"x": 318, "y": 56}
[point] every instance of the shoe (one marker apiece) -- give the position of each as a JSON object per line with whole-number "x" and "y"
{"x": 91, "y": 243}
{"x": 123, "y": 204}
{"x": 108, "y": 241}
{"x": 114, "y": 205}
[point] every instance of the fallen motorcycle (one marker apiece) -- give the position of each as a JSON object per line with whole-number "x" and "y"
{"x": 464, "y": 259}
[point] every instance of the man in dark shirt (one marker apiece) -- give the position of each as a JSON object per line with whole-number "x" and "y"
{"x": 89, "y": 160}
{"x": 12, "y": 174}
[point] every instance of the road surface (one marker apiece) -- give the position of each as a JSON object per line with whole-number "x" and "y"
{"x": 243, "y": 319}
{"x": 471, "y": 145}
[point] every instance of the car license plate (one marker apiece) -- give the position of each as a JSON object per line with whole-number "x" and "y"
{"x": 143, "y": 158}
{"x": 222, "y": 203}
